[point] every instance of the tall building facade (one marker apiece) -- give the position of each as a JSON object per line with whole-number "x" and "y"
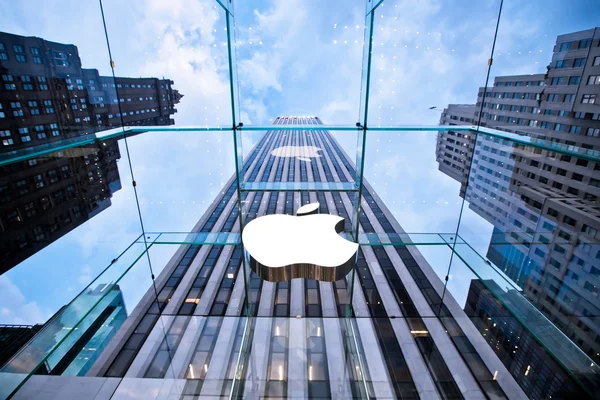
{"x": 45, "y": 97}
{"x": 544, "y": 207}
{"x": 403, "y": 341}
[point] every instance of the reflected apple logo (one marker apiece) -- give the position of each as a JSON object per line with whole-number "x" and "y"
{"x": 303, "y": 153}
{"x": 307, "y": 245}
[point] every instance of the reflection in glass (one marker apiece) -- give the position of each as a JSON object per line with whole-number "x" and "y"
{"x": 48, "y": 97}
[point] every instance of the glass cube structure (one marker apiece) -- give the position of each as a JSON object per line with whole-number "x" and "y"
{"x": 478, "y": 265}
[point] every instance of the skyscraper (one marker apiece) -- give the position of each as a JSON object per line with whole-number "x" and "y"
{"x": 543, "y": 206}
{"x": 192, "y": 327}
{"x": 46, "y": 97}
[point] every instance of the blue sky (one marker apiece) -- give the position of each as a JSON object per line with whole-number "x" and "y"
{"x": 294, "y": 58}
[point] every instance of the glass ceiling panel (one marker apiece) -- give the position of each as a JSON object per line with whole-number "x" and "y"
{"x": 184, "y": 44}
{"x": 273, "y": 37}
{"x": 426, "y": 55}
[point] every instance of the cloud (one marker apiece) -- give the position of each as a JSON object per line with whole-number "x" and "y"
{"x": 85, "y": 275}
{"x": 260, "y": 73}
{"x": 16, "y": 308}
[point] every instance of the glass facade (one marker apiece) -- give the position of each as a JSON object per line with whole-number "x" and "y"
{"x": 478, "y": 262}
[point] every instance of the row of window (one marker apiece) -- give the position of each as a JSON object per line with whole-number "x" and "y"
{"x": 574, "y": 62}
{"x": 570, "y": 98}
{"x": 78, "y": 82}
{"x": 536, "y": 110}
{"x": 574, "y": 80}
{"x": 58, "y": 58}
{"x": 513, "y": 95}
{"x": 581, "y": 44}
{"x": 27, "y": 83}
{"x": 578, "y": 130}
{"x": 132, "y": 86}
{"x": 34, "y": 108}
{"x": 520, "y": 83}
{"x": 7, "y": 139}
{"x": 562, "y": 80}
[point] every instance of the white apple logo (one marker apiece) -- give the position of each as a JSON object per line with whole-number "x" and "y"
{"x": 304, "y": 153}
{"x": 283, "y": 247}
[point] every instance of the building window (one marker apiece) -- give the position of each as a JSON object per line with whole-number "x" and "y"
{"x": 558, "y": 127}
{"x": 564, "y": 46}
{"x": 18, "y": 48}
{"x": 27, "y": 86}
{"x": 35, "y": 51}
{"x": 589, "y": 230}
{"x": 25, "y": 138}
{"x": 569, "y": 221}
{"x": 574, "y": 80}
{"x": 585, "y": 43}
{"x": 569, "y": 98}
{"x": 563, "y": 113}
{"x": 20, "y": 58}
{"x": 588, "y": 99}
{"x": 591, "y": 288}
{"x": 593, "y": 80}
{"x": 575, "y": 129}
{"x": 553, "y": 97}
{"x": 557, "y": 81}
{"x": 37, "y": 60}
{"x": 3, "y": 56}
{"x": 578, "y": 62}
{"x": 593, "y": 132}
{"x": 8, "y": 78}
{"x": 596, "y": 61}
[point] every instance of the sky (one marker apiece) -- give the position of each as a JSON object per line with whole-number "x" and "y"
{"x": 294, "y": 58}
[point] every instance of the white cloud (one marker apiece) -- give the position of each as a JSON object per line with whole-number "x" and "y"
{"x": 260, "y": 73}
{"x": 16, "y": 308}
{"x": 85, "y": 275}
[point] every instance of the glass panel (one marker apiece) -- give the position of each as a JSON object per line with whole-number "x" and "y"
{"x": 329, "y": 37}
{"x": 418, "y": 204}
{"x": 186, "y": 48}
{"x": 531, "y": 200}
{"x": 76, "y": 336}
{"x": 427, "y": 56}
{"x": 168, "y": 200}
{"x": 526, "y": 342}
{"x": 67, "y": 211}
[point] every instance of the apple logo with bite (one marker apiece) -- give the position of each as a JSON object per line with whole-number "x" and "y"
{"x": 307, "y": 245}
